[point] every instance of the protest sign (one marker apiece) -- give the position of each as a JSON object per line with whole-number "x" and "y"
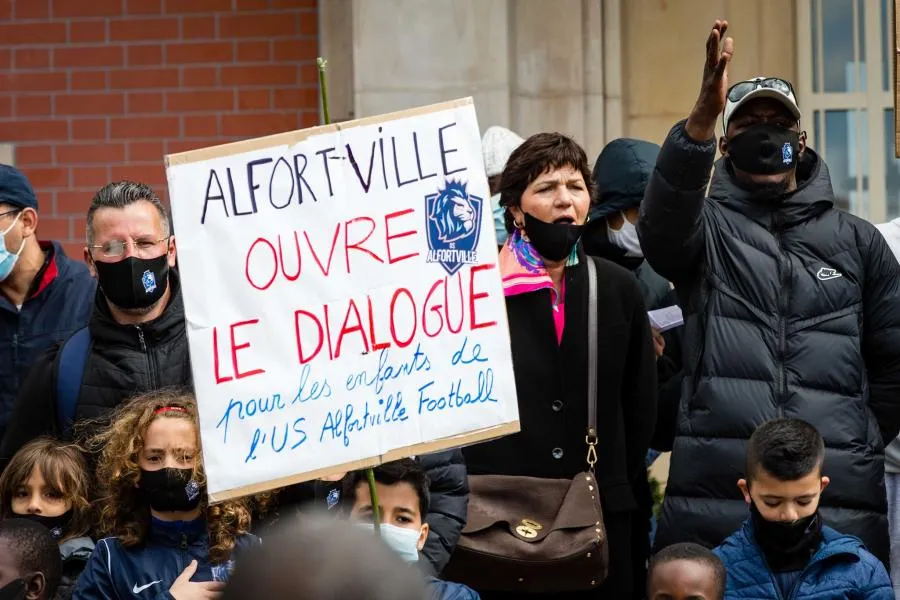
{"x": 342, "y": 298}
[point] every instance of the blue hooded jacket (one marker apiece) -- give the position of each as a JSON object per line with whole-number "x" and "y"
{"x": 841, "y": 569}
{"x": 115, "y": 572}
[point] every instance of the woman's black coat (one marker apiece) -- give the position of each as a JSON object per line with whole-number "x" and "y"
{"x": 551, "y": 382}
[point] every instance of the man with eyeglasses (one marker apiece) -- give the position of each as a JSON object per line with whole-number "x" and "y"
{"x": 792, "y": 309}
{"x": 44, "y": 295}
{"x": 135, "y": 341}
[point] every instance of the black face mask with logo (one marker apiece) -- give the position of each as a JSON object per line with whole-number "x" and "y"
{"x": 57, "y": 526}
{"x": 787, "y": 546}
{"x": 134, "y": 282}
{"x": 765, "y": 149}
{"x": 170, "y": 490}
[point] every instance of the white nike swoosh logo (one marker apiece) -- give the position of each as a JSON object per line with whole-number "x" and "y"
{"x": 138, "y": 590}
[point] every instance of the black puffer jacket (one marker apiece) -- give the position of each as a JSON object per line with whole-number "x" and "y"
{"x": 124, "y": 360}
{"x": 792, "y": 309}
{"x": 449, "y": 504}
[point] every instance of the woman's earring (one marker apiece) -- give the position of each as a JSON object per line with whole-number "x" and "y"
{"x": 517, "y": 225}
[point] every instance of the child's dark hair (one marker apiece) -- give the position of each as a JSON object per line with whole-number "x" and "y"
{"x": 34, "y": 551}
{"x": 786, "y": 449}
{"x": 405, "y": 470}
{"x": 694, "y": 553}
{"x": 63, "y": 467}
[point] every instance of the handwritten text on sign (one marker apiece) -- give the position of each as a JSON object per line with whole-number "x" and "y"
{"x": 342, "y": 296}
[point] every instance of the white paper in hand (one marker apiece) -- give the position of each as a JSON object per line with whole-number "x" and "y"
{"x": 667, "y": 318}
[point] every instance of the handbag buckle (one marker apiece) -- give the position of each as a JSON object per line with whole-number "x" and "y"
{"x": 528, "y": 529}
{"x": 591, "y": 440}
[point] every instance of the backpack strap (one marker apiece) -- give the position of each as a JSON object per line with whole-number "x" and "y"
{"x": 70, "y": 371}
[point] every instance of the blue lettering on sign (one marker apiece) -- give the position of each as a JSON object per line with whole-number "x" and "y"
{"x": 340, "y": 423}
{"x": 278, "y": 438}
{"x": 307, "y": 391}
{"x": 389, "y": 372}
{"x": 242, "y": 409}
{"x": 457, "y": 396}
{"x": 462, "y": 357}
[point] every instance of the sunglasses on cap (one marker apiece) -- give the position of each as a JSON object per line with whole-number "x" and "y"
{"x": 741, "y": 89}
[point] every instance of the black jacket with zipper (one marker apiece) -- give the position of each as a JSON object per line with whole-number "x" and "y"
{"x": 124, "y": 360}
{"x": 551, "y": 383}
{"x": 792, "y": 309}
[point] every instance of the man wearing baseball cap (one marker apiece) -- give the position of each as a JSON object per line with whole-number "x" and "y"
{"x": 44, "y": 296}
{"x": 791, "y": 308}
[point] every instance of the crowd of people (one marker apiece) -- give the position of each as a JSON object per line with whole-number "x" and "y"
{"x": 778, "y": 395}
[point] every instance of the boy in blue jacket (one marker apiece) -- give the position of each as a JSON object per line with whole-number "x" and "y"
{"x": 403, "y": 498}
{"x": 784, "y": 551}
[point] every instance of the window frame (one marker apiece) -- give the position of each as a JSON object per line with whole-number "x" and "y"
{"x": 875, "y": 100}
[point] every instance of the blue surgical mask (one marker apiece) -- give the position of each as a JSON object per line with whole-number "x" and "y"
{"x": 499, "y": 223}
{"x": 404, "y": 542}
{"x": 8, "y": 259}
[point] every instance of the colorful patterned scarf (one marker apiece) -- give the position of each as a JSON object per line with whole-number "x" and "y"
{"x": 523, "y": 269}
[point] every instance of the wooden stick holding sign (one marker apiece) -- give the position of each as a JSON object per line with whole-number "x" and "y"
{"x": 342, "y": 297}
{"x": 321, "y": 63}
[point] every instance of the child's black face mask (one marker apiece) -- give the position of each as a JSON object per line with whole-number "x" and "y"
{"x": 170, "y": 490}
{"x": 58, "y": 526}
{"x": 787, "y": 546}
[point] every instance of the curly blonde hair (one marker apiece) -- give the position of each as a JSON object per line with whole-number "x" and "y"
{"x": 123, "y": 512}
{"x": 64, "y": 470}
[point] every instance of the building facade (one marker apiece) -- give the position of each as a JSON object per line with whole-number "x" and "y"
{"x": 96, "y": 91}
{"x": 600, "y": 69}
{"x": 93, "y": 91}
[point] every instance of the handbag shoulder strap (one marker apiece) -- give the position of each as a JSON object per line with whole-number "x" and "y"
{"x": 591, "y": 437}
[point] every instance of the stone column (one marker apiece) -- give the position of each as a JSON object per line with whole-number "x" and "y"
{"x": 407, "y": 53}
{"x": 531, "y": 65}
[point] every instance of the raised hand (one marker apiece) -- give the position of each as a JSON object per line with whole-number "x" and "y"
{"x": 701, "y": 124}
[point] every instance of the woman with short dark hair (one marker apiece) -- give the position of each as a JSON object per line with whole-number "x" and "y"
{"x": 546, "y": 192}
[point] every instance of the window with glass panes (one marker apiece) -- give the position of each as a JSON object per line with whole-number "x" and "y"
{"x": 845, "y": 89}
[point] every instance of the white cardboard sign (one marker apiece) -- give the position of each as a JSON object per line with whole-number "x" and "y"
{"x": 342, "y": 297}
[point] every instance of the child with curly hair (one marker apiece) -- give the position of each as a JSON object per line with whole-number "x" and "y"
{"x": 47, "y": 482}
{"x": 166, "y": 541}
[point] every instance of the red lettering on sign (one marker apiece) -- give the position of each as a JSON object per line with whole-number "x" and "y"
{"x": 473, "y": 296}
{"x": 388, "y": 236}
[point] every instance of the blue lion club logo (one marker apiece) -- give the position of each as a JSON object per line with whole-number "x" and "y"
{"x": 787, "y": 153}
{"x": 334, "y": 497}
{"x": 453, "y": 223}
{"x": 192, "y": 490}
{"x": 149, "y": 281}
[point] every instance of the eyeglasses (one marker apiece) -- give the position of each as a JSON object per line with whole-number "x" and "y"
{"x": 741, "y": 89}
{"x": 11, "y": 212}
{"x": 116, "y": 248}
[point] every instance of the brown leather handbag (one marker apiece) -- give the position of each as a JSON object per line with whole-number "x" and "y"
{"x": 534, "y": 535}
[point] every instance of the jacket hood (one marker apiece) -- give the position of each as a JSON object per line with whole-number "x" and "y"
{"x": 813, "y": 196}
{"x": 621, "y": 174}
{"x": 595, "y": 241}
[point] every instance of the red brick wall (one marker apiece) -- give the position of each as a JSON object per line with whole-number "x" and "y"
{"x": 93, "y": 91}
